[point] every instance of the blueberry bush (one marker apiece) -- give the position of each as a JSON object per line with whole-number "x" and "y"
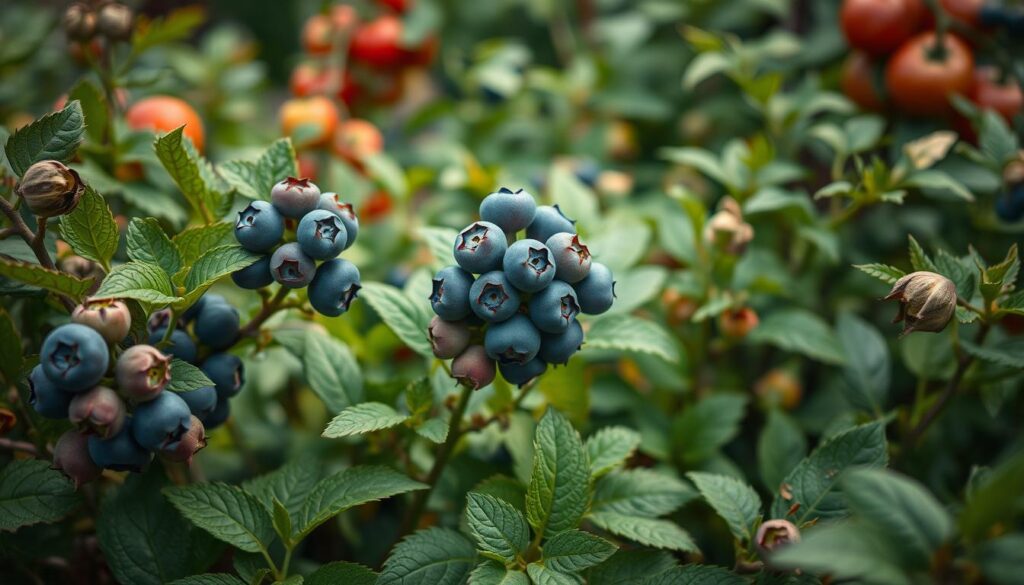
{"x": 605, "y": 292}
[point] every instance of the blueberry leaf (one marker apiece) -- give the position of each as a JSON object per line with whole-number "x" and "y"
{"x": 559, "y": 489}
{"x": 147, "y": 242}
{"x": 609, "y": 448}
{"x": 226, "y": 512}
{"x": 646, "y": 531}
{"x": 90, "y": 229}
{"x": 438, "y": 556}
{"x": 331, "y": 370}
{"x": 800, "y": 331}
{"x": 736, "y": 502}
{"x": 209, "y": 579}
{"x": 629, "y": 333}
{"x": 31, "y": 492}
{"x": 500, "y": 530}
{"x": 290, "y": 484}
{"x": 196, "y": 241}
{"x": 36, "y": 275}
{"x": 146, "y": 283}
{"x": 494, "y": 573}
{"x": 640, "y": 492}
{"x": 574, "y": 550}
{"x": 255, "y": 179}
{"x": 185, "y": 377}
{"x": 363, "y": 418}
{"x": 407, "y": 318}
{"x": 55, "y": 136}
{"x": 202, "y": 189}
{"x": 341, "y": 572}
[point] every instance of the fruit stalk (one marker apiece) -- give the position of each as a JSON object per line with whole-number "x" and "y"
{"x": 35, "y": 240}
{"x": 269, "y": 308}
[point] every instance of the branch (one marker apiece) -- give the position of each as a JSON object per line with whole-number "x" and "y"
{"x": 35, "y": 240}
{"x": 23, "y": 446}
{"x": 270, "y": 307}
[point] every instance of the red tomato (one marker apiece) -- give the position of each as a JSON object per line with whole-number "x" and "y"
{"x": 964, "y": 11}
{"x": 376, "y": 207}
{"x": 318, "y": 35}
{"x": 858, "y": 82}
{"x": 163, "y": 113}
{"x": 424, "y": 55}
{"x": 921, "y": 82}
{"x": 315, "y": 118}
{"x": 307, "y": 79}
{"x": 988, "y": 93}
{"x": 878, "y": 27}
{"x": 398, "y": 6}
{"x": 344, "y": 17}
{"x": 377, "y": 42}
{"x": 357, "y": 139}
{"x": 308, "y": 166}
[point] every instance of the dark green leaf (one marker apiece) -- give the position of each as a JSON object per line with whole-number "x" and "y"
{"x": 780, "y": 448}
{"x": 196, "y": 241}
{"x": 148, "y": 243}
{"x": 290, "y": 484}
{"x": 191, "y": 173}
{"x": 437, "y": 556}
{"x": 52, "y": 280}
{"x": 629, "y": 333}
{"x": 736, "y": 502}
{"x": 883, "y": 272}
{"x": 55, "y": 136}
{"x": 185, "y": 377}
{"x": 407, "y": 318}
{"x": 574, "y": 550}
{"x": 609, "y": 448}
{"x": 708, "y": 425}
{"x": 647, "y": 531}
{"x": 226, "y": 512}
{"x": 363, "y": 418}
{"x": 640, "y": 492}
{"x": 136, "y": 280}
{"x": 341, "y": 573}
{"x": 800, "y": 331}
{"x": 90, "y": 229}
{"x": 867, "y": 368}
{"x": 560, "y": 482}
{"x": 11, "y": 348}
{"x": 499, "y": 528}
{"x": 31, "y": 492}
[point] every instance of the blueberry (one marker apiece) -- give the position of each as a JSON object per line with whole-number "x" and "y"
{"x": 572, "y": 258}
{"x": 295, "y": 197}
{"x": 254, "y": 276}
{"x": 111, "y": 318}
{"x": 345, "y": 211}
{"x": 321, "y": 234}
{"x": 191, "y": 442}
{"x": 162, "y": 422}
{"x": 557, "y": 348}
{"x": 142, "y": 372}
{"x": 227, "y": 373}
{"x": 596, "y": 292}
{"x": 259, "y": 227}
{"x": 493, "y": 298}
{"x": 510, "y": 210}
{"x": 45, "y": 397}
{"x": 120, "y": 452}
{"x": 99, "y": 411}
{"x": 71, "y": 457}
{"x": 201, "y": 401}
{"x": 515, "y": 341}
{"x": 529, "y": 265}
{"x": 193, "y": 311}
{"x": 1010, "y": 205}
{"x": 181, "y": 345}
{"x": 554, "y": 308}
{"x": 450, "y": 295}
{"x": 74, "y": 357}
{"x": 160, "y": 320}
{"x": 480, "y": 247}
{"x": 473, "y": 368}
{"x": 587, "y": 171}
{"x": 334, "y": 287}
{"x": 219, "y": 415}
{"x": 520, "y": 374}
{"x": 291, "y": 267}
{"x": 448, "y": 338}
{"x": 548, "y": 221}
{"x": 217, "y": 325}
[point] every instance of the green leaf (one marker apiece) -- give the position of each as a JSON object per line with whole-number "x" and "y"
{"x": 435, "y": 556}
{"x": 148, "y": 243}
{"x": 209, "y": 579}
{"x": 349, "y": 488}
{"x": 440, "y": 242}
{"x": 331, "y": 369}
{"x": 640, "y": 492}
{"x": 628, "y": 333}
{"x": 386, "y": 172}
{"x": 707, "y": 426}
{"x": 631, "y": 567}
{"x": 226, "y": 512}
{"x": 901, "y": 508}
{"x": 846, "y": 551}
{"x": 434, "y": 430}
{"x": 698, "y": 575}
{"x": 559, "y": 490}
{"x": 646, "y": 531}
{"x": 811, "y": 490}
{"x": 918, "y": 258}
{"x": 94, "y": 108}
{"x": 885, "y": 273}
{"x": 610, "y": 447}
{"x": 704, "y": 161}
{"x": 933, "y": 180}
{"x": 31, "y": 492}
{"x": 574, "y": 550}
{"x": 52, "y": 280}
{"x": 185, "y": 377}
{"x": 541, "y": 575}
{"x": 1008, "y": 353}
{"x": 498, "y": 527}
{"x": 780, "y": 448}
{"x": 215, "y": 264}
{"x": 800, "y": 331}
{"x": 341, "y": 572}
{"x": 996, "y": 139}
{"x": 363, "y": 418}
{"x": 146, "y": 283}
{"x": 1001, "y": 558}
{"x": 576, "y": 200}
{"x": 191, "y": 173}
{"x": 407, "y": 318}
{"x": 255, "y": 179}
{"x": 735, "y": 501}
{"x": 281, "y": 520}
{"x": 55, "y": 136}
{"x": 986, "y": 508}
{"x": 11, "y": 348}
{"x": 866, "y": 372}
{"x": 178, "y": 25}
{"x": 90, "y": 229}
{"x": 495, "y": 573}
{"x": 290, "y": 484}
{"x": 196, "y": 241}
{"x": 703, "y": 66}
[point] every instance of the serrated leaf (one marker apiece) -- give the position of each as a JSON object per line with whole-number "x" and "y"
{"x": 800, "y": 331}
{"x": 849, "y": 551}
{"x": 918, "y": 258}
{"x": 196, "y": 241}
{"x": 407, "y": 318}
{"x": 217, "y": 263}
{"x": 542, "y": 575}
{"x": 640, "y": 492}
{"x": 363, "y": 418}
{"x": 52, "y": 280}
{"x": 629, "y": 333}
{"x": 1008, "y": 353}
{"x": 434, "y": 430}
{"x": 780, "y": 448}
{"x": 559, "y": 490}
{"x": 885, "y": 273}
{"x": 437, "y": 556}
{"x": 331, "y": 370}
{"x": 609, "y": 448}
{"x": 178, "y": 25}
{"x": 226, "y": 512}
{"x": 574, "y": 550}
{"x": 185, "y": 377}
{"x": 290, "y": 484}
{"x": 281, "y": 520}
{"x": 148, "y": 243}
{"x": 191, "y": 173}
{"x": 707, "y": 426}
{"x": 90, "y": 229}
{"x": 255, "y": 179}
{"x": 94, "y": 108}
{"x": 866, "y": 373}
{"x": 736, "y": 502}
{"x": 646, "y": 531}
{"x": 55, "y": 136}
{"x": 209, "y": 579}
{"x": 341, "y": 573}
{"x": 439, "y": 242}
{"x": 698, "y": 575}
{"x": 31, "y": 492}
{"x": 498, "y": 527}
{"x": 494, "y": 573}
{"x": 136, "y": 280}
{"x": 631, "y": 567}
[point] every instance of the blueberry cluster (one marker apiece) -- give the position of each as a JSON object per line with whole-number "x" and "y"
{"x": 325, "y": 228}
{"x": 524, "y": 303}
{"x": 122, "y": 414}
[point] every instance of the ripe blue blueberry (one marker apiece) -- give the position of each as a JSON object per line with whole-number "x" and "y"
{"x": 219, "y": 415}
{"x": 254, "y": 276}
{"x": 291, "y": 267}
{"x": 548, "y": 221}
{"x": 515, "y": 341}
{"x": 161, "y": 422}
{"x": 45, "y": 397}
{"x": 193, "y": 311}
{"x": 226, "y": 372}
{"x": 201, "y": 401}
{"x": 321, "y": 234}
{"x": 473, "y": 368}
{"x": 480, "y": 247}
{"x": 181, "y": 345}
{"x": 345, "y": 211}
{"x": 74, "y": 357}
{"x": 450, "y": 294}
{"x": 520, "y": 374}
{"x": 334, "y": 287}
{"x": 217, "y": 325}
{"x": 557, "y": 348}
{"x": 554, "y": 308}
{"x": 71, "y": 457}
{"x": 1010, "y": 205}
{"x": 529, "y": 266}
{"x": 120, "y": 452}
{"x": 510, "y": 210}
{"x": 572, "y": 258}
{"x": 99, "y": 411}
{"x": 493, "y": 298}
{"x": 596, "y": 292}
{"x": 295, "y": 197}
{"x": 448, "y": 338}
{"x": 259, "y": 227}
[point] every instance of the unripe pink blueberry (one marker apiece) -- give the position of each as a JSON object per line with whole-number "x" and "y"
{"x": 473, "y": 368}
{"x": 142, "y": 372}
{"x": 110, "y": 317}
{"x": 71, "y": 457}
{"x": 572, "y": 257}
{"x": 775, "y": 534}
{"x": 447, "y": 338}
{"x": 294, "y": 197}
{"x": 99, "y": 412}
{"x": 191, "y": 443}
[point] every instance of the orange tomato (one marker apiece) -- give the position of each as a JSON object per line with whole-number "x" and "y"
{"x": 357, "y": 139}
{"x": 377, "y": 42}
{"x": 858, "y": 82}
{"x": 163, "y": 113}
{"x": 376, "y": 207}
{"x": 314, "y": 119}
{"x": 307, "y": 79}
{"x": 779, "y": 387}
{"x": 318, "y": 35}
{"x": 921, "y": 82}
{"x": 737, "y": 323}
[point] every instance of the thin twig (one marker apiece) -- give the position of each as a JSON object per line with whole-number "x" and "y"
{"x": 36, "y": 241}
{"x": 22, "y": 446}
{"x": 269, "y": 308}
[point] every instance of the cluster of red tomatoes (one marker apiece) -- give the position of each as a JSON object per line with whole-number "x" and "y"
{"x": 901, "y": 61}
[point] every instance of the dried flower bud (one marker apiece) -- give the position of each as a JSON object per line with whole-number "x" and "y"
{"x": 775, "y": 534}
{"x": 71, "y": 457}
{"x": 50, "y": 188}
{"x": 779, "y": 388}
{"x": 79, "y": 22}
{"x": 726, "y": 229}
{"x": 80, "y": 267}
{"x": 108, "y": 316}
{"x": 925, "y": 152}
{"x": 114, "y": 21}
{"x": 927, "y": 301}
{"x": 142, "y": 372}
{"x": 737, "y": 323}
